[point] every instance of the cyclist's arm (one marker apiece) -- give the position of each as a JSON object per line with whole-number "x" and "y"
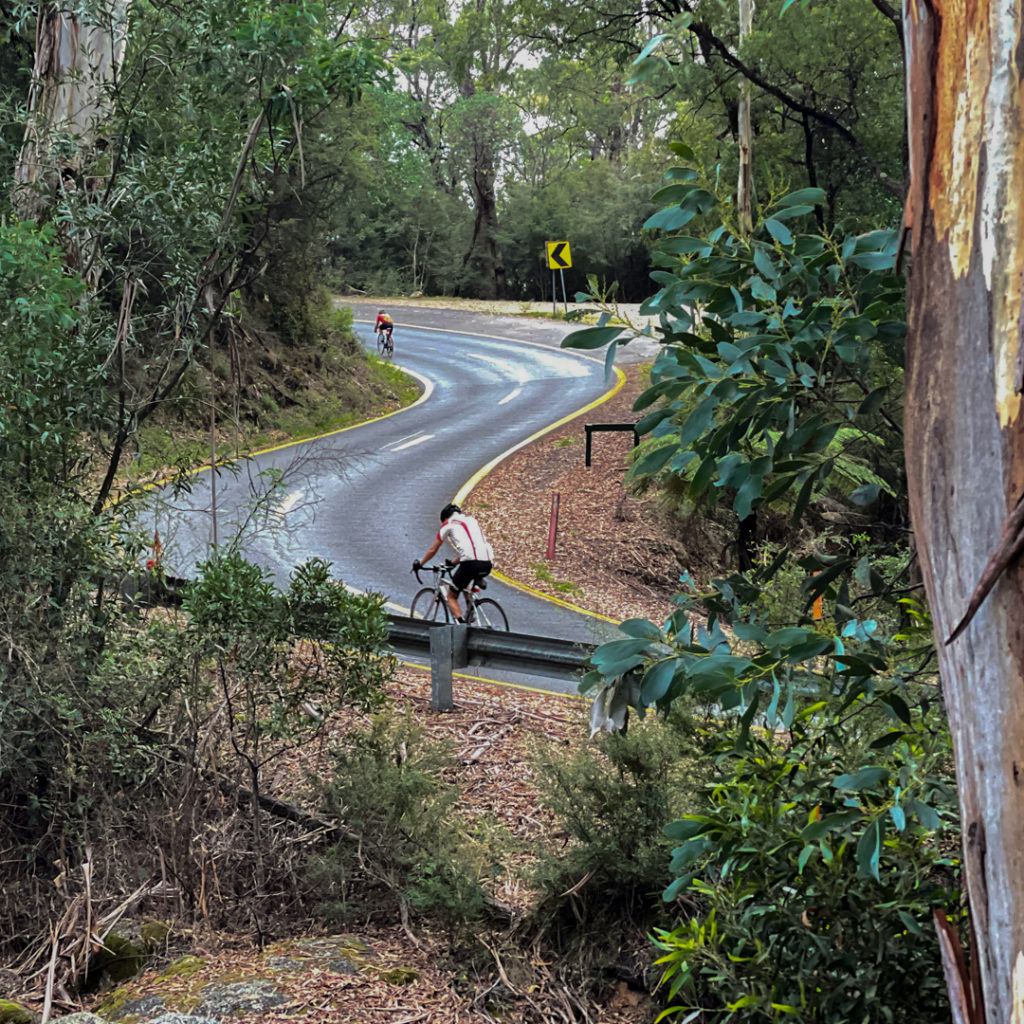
{"x": 431, "y": 551}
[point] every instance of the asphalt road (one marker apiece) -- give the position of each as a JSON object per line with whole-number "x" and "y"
{"x": 367, "y": 499}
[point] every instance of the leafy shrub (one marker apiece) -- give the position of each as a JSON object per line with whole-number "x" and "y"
{"x": 613, "y": 798}
{"x": 403, "y": 842}
{"x": 809, "y": 886}
{"x": 281, "y": 661}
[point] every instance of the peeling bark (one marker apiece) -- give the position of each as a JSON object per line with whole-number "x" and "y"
{"x": 76, "y": 62}
{"x": 965, "y": 433}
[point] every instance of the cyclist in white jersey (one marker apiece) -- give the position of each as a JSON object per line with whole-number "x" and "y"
{"x": 474, "y": 557}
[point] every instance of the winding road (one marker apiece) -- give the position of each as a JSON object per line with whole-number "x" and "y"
{"x": 366, "y": 499}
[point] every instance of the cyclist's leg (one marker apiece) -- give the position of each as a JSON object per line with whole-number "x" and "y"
{"x": 462, "y": 578}
{"x": 452, "y": 596}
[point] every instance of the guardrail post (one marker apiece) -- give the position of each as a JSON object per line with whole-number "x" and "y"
{"x": 449, "y": 649}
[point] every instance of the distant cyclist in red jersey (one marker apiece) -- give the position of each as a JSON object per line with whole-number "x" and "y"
{"x": 384, "y": 322}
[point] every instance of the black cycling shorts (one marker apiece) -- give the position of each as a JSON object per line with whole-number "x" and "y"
{"x": 468, "y": 570}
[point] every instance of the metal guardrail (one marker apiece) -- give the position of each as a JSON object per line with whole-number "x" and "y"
{"x": 456, "y": 645}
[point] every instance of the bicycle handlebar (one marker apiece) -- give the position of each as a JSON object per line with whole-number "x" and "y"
{"x": 445, "y": 569}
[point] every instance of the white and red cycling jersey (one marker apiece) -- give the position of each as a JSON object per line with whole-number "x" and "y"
{"x": 464, "y": 534}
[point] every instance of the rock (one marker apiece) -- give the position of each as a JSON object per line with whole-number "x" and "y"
{"x": 14, "y": 1013}
{"x": 81, "y": 1018}
{"x": 143, "y": 1008}
{"x": 154, "y": 933}
{"x": 240, "y": 997}
{"x": 338, "y": 953}
{"x": 183, "y": 1018}
{"x": 120, "y": 960}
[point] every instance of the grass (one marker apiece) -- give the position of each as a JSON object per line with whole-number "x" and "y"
{"x": 544, "y": 575}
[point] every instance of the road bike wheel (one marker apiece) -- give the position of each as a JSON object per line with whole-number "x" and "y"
{"x": 426, "y": 606}
{"x": 490, "y": 615}
{"x": 381, "y": 343}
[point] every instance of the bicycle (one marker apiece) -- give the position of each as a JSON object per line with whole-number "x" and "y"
{"x": 385, "y": 344}
{"x": 431, "y": 604}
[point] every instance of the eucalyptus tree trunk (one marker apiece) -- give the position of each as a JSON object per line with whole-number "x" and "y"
{"x": 965, "y": 440}
{"x": 745, "y": 185}
{"x": 79, "y": 52}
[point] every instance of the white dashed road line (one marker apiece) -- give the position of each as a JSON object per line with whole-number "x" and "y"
{"x": 411, "y": 444}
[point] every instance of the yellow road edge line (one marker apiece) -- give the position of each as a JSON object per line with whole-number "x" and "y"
{"x": 479, "y": 475}
{"x": 526, "y": 588}
{"x": 428, "y": 390}
{"x": 464, "y": 491}
{"x": 468, "y": 486}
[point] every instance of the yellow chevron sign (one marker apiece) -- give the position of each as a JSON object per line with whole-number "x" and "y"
{"x": 559, "y": 257}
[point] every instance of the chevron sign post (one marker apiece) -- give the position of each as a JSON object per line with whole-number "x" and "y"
{"x": 559, "y": 258}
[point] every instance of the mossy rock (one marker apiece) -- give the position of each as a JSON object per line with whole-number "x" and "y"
{"x": 119, "y": 960}
{"x": 240, "y": 998}
{"x": 184, "y": 968}
{"x": 14, "y": 1013}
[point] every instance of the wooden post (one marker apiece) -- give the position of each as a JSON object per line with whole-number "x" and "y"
{"x": 553, "y": 527}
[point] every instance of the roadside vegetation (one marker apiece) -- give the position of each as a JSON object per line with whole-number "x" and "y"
{"x": 775, "y": 834}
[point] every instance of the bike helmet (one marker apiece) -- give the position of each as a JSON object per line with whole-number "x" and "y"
{"x": 448, "y": 511}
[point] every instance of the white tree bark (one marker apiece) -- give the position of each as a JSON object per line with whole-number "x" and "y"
{"x": 965, "y": 435}
{"x": 745, "y": 185}
{"x": 76, "y": 63}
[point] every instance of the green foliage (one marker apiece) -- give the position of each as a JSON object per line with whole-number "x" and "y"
{"x": 282, "y": 661}
{"x": 600, "y": 206}
{"x": 826, "y": 92}
{"x": 50, "y": 365}
{"x": 812, "y": 891}
{"x": 79, "y": 674}
{"x": 599, "y": 891}
{"x": 779, "y": 377}
{"x": 778, "y": 356}
{"x": 403, "y": 839}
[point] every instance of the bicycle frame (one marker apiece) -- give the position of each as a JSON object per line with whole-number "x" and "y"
{"x": 483, "y": 612}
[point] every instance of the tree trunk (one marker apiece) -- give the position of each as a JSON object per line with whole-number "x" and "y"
{"x": 486, "y": 232}
{"x": 965, "y": 436}
{"x": 76, "y": 63}
{"x": 745, "y": 185}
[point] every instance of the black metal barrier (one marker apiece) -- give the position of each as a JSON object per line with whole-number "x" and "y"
{"x": 591, "y": 427}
